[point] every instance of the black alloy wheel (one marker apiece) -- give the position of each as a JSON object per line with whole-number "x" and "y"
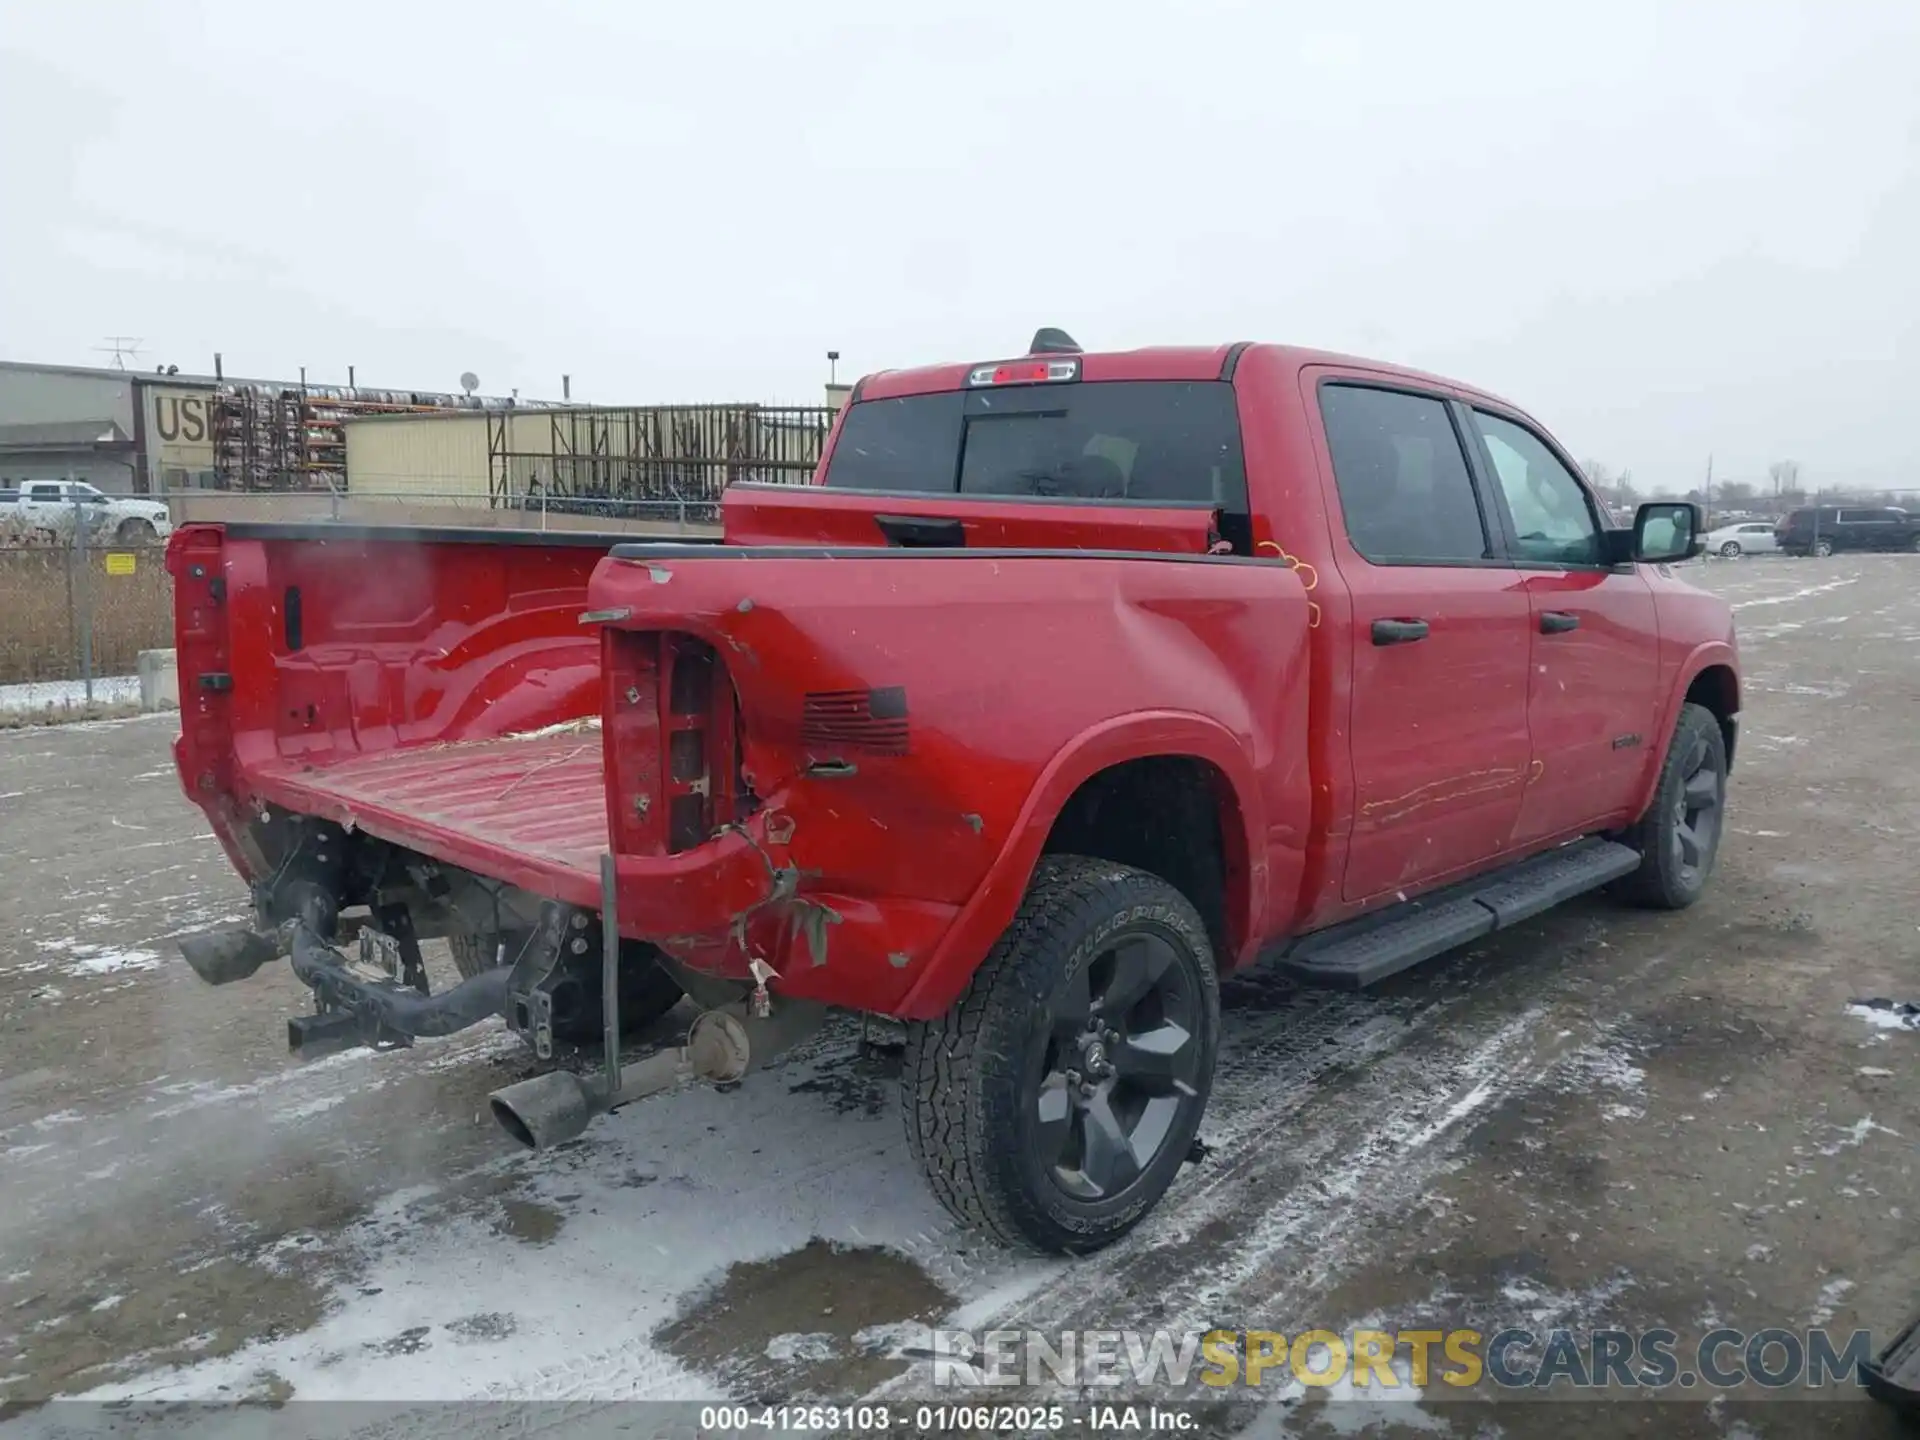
{"x": 1120, "y": 1069}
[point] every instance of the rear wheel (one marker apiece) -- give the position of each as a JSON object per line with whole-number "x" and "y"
{"x": 1679, "y": 836}
{"x": 1914, "y": 544}
{"x": 1054, "y": 1104}
{"x": 1731, "y": 550}
{"x": 647, "y": 991}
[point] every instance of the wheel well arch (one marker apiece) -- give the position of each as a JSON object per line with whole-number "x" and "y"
{"x": 1716, "y": 689}
{"x": 1175, "y": 816}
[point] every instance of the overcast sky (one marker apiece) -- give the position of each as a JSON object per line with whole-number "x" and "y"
{"x": 1668, "y": 230}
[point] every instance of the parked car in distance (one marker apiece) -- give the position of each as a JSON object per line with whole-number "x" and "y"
{"x": 51, "y": 506}
{"x": 1823, "y": 529}
{"x": 1749, "y": 537}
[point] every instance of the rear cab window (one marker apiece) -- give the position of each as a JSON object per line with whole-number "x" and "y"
{"x": 1139, "y": 441}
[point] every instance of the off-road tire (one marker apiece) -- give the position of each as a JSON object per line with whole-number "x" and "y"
{"x": 964, "y": 1075}
{"x": 647, "y": 991}
{"x": 1662, "y": 882}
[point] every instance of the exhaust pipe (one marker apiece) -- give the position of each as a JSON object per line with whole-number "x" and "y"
{"x": 722, "y": 1046}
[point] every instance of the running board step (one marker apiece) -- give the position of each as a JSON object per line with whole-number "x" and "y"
{"x": 1363, "y": 951}
{"x": 1894, "y": 1374}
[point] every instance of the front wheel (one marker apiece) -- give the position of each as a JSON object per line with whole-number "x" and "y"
{"x": 136, "y": 531}
{"x": 1914, "y": 545}
{"x": 1730, "y": 550}
{"x": 1054, "y": 1104}
{"x": 1679, "y": 836}
{"x": 1823, "y": 548}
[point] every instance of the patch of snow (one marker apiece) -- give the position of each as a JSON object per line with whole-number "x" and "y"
{"x": 107, "y": 962}
{"x": 1830, "y": 1296}
{"x": 1876, "y": 1071}
{"x": 107, "y": 1304}
{"x": 41, "y": 695}
{"x": 1886, "y": 1017}
{"x": 1855, "y": 1135}
{"x": 812, "y": 1346}
{"x": 421, "y": 1260}
{"x": 1795, "y": 595}
{"x": 893, "y": 1339}
{"x": 566, "y": 727}
{"x": 307, "y": 1109}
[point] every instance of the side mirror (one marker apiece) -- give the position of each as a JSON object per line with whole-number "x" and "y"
{"x": 1668, "y": 530}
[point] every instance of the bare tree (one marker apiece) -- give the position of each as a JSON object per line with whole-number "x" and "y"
{"x": 1735, "y": 492}
{"x": 1785, "y": 475}
{"x": 1616, "y": 490}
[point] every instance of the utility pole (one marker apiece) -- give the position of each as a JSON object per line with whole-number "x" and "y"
{"x": 1709, "y": 491}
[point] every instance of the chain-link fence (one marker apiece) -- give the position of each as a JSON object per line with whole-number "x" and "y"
{"x": 70, "y": 613}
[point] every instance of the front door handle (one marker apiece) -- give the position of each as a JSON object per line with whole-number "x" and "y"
{"x": 1558, "y": 622}
{"x": 1398, "y": 632}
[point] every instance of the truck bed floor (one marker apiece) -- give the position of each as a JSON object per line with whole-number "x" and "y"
{"x": 526, "y": 809}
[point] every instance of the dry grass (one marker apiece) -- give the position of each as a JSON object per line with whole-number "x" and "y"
{"x": 43, "y": 592}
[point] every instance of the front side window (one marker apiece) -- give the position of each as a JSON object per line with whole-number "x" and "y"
{"x": 1404, "y": 485}
{"x": 1553, "y": 519}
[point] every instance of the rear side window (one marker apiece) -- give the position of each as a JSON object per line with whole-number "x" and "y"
{"x": 1142, "y": 440}
{"x": 1404, "y": 484}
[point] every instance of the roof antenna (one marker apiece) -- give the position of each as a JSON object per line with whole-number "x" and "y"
{"x": 1049, "y": 341}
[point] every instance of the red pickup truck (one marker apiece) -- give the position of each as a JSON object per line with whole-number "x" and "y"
{"x": 1071, "y": 683}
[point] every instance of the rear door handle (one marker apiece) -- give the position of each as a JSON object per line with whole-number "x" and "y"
{"x": 1558, "y": 622}
{"x": 1398, "y": 632}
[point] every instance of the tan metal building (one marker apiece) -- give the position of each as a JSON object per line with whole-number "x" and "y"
{"x": 420, "y": 456}
{"x": 527, "y": 457}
